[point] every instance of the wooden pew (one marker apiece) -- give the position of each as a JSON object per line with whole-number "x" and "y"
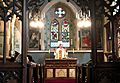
{"x": 33, "y": 73}
{"x": 83, "y": 74}
{"x": 41, "y": 73}
{"x": 79, "y": 68}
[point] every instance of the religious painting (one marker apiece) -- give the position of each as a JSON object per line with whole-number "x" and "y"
{"x": 33, "y": 39}
{"x": 85, "y": 38}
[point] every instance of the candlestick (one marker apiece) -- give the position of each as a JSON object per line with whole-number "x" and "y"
{"x": 73, "y": 50}
{"x": 49, "y": 51}
{"x": 80, "y": 13}
{"x": 89, "y": 13}
{"x": 77, "y": 15}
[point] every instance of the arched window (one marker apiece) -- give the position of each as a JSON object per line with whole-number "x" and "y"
{"x": 65, "y": 33}
{"x": 54, "y": 33}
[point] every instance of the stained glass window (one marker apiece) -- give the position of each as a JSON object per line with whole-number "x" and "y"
{"x": 59, "y": 12}
{"x": 54, "y": 33}
{"x": 65, "y": 33}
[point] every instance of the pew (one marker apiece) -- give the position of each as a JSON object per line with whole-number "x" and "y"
{"x": 35, "y": 73}
{"x": 83, "y": 73}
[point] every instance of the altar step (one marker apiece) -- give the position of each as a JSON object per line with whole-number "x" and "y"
{"x": 60, "y": 81}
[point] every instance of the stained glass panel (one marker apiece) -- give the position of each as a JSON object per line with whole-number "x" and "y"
{"x": 65, "y": 31}
{"x": 54, "y": 32}
{"x": 59, "y": 12}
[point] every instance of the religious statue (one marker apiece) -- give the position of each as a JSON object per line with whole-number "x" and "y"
{"x": 60, "y": 52}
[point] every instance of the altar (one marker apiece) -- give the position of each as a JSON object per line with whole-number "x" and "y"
{"x": 60, "y": 68}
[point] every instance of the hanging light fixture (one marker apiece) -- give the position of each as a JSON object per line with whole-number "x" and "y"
{"x": 83, "y": 18}
{"x": 36, "y": 19}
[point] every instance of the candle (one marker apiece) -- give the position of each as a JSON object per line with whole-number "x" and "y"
{"x": 77, "y": 15}
{"x": 43, "y": 15}
{"x": 80, "y": 13}
{"x": 89, "y": 13}
{"x": 49, "y": 50}
{"x": 73, "y": 50}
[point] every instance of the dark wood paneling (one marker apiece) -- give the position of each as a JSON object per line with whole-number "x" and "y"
{"x": 104, "y": 73}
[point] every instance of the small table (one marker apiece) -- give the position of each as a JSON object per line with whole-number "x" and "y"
{"x": 60, "y": 68}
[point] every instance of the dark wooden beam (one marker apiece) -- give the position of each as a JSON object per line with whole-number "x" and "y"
{"x": 24, "y": 41}
{"x": 93, "y": 33}
{"x": 5, "y": 42}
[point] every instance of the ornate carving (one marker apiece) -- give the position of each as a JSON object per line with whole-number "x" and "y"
{"x": 82, "y": 3}
{"x": 110, "y": 8}
{"x": 107, "y": 76}
{"x": 35, "y": 4}
{"x": 8, "y": 8}
{"x": 107, "y": 73}
{"x": 5, "y": 76}
{"x": 60, "y": 68}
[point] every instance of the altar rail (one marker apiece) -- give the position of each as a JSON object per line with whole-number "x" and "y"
{"x": 88, "y": 73}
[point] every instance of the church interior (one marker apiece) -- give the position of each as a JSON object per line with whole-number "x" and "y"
{"x": 59, "y": 41}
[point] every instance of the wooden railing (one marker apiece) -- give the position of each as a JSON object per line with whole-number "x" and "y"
{"x": 86, "y": 73}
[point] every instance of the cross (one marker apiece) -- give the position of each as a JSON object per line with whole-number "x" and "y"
{"x": 60, "y": 12}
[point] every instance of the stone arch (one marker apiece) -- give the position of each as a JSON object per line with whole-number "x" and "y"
{"x": 48, "y": 6}
{"x": 52, "y": 3}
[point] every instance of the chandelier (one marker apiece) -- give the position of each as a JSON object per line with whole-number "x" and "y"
{"x": 36, "y": 19}
{"x": 83, "y": 14}
{"x": 83, "y": 18}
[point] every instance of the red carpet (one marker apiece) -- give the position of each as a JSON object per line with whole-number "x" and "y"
{"x": 60, "y": 81}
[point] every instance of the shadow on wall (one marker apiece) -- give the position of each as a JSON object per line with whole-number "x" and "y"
{"x": 82, "y": 57}
{"x": 39, "y": 57}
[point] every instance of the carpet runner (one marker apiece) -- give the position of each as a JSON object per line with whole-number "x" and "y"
{"x": 60, "y": 81}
